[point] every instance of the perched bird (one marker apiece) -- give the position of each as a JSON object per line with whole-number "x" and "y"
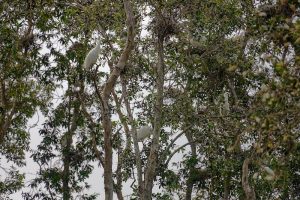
{"x": 270, "y": 174}
{"x": 92, "y": 56}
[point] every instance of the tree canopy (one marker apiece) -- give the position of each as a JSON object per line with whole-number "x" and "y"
{"x": 217, "y": 83}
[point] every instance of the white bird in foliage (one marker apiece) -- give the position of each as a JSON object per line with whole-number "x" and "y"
{"x": 226, "y": 103}
{"x": 270, "y": 173}
{"x": 144, "y": 132}
{"x": 92, "y": 56}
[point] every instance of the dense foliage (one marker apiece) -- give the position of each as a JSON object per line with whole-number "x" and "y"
{"x": 219, "y": 82}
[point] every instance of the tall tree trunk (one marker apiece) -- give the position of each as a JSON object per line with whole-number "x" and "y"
{"x": 153, "y": 157}
{"x": 189, "y": 188}
{"x": 106, "y": 123}
{"x": 105, "y": 110}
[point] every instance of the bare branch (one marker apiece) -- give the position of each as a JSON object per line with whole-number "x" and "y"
{"x": 163, "y": 157}
{"x": 178, "y": 149}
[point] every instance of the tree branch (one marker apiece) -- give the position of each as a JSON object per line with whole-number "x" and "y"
{"x": 125, "y": 54}
{"x": 153, "y": 157}
{"x": 106, "y": 92}
{"x": 250, "y": 193}
{"x": 134, "y": 135}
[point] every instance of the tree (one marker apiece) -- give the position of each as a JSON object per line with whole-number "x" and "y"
{"x": 21, "y": 89}
{"x": 216, "y": 80}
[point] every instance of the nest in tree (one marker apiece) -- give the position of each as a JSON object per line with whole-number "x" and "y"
{"x": 165, "y": 27}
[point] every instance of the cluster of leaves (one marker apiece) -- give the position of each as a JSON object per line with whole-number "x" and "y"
{"x": 251, "y": 52}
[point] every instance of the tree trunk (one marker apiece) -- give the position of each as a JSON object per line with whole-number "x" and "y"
{"x": 153, "y": 157}
{"x": 249, "y": 192}
{"x": 106, "y": 123}
{"x": 189, "y": 188}
{"x": 105, "y": 110}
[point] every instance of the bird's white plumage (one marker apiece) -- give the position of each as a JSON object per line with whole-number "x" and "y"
{"x": 269, "y": 171}
{"x": 92, "y": 56}
{"x": 226, "y": 102}
{"x": 144, "y": 132}
{"x": 270, "y": 174}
